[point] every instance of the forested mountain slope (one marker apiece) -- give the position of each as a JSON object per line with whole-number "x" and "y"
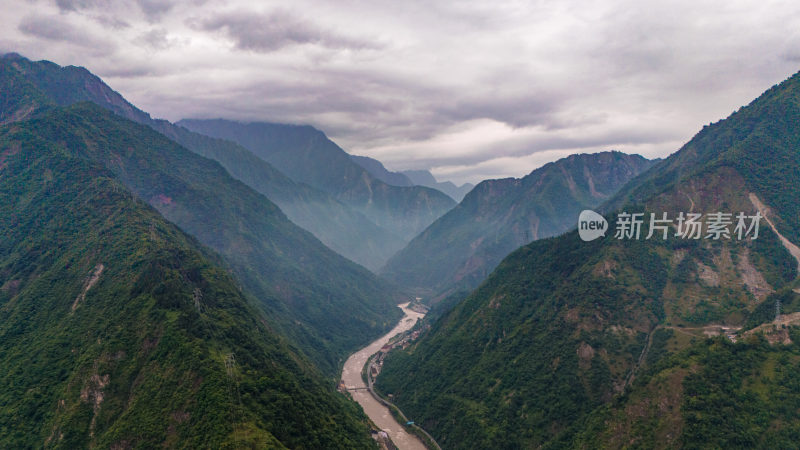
{"x": 563, "y": 327}
{"x": 119, "y": 330}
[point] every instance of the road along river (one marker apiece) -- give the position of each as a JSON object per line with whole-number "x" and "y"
{"x": 351, "y": 375}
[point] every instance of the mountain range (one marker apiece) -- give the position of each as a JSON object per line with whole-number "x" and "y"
{"x": 306, "y": 155}
{"x": 425, "y": 178}
{"x": 377, "y": 169}
{"x": 30, "y": 85}
{"x": 666, "y": 342}
{"x": 462, "y": 247}
{"x": 411, "y": 178}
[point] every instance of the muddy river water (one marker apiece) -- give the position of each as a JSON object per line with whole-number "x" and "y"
{"x": 378, "y": 413}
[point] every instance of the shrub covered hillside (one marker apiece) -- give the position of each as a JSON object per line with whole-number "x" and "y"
{"x": 120, "y": 331}
{"x": 715, "y": 394}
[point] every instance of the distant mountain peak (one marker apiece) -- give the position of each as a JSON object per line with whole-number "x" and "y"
{"x": 12, "y": 55}
{"x": 306, "y": 155}
{"x": 426, "y": 178}
{"x": 498, "y": 216}
{"x": 421, "y": 176}
{"x": 37, "y": 86}
{"x": 377, "y": 169}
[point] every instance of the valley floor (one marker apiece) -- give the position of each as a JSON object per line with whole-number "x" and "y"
{"x": 378, "y": 413}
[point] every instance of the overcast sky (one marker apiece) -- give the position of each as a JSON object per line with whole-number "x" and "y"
{"x": 471, "y": 90}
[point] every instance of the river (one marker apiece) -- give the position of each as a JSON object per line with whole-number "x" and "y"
{"x": 351, "y": 375}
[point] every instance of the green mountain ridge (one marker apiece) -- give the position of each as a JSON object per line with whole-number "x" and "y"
{"x": 306, "y": 155}
{"x": 571, "y": 344}
{"x": 119, "y": 330}
{"x": 462, "y": 247}
{"x": 30, "y": 86}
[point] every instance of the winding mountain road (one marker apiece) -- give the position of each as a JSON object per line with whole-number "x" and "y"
{"x": 793, "y": 249}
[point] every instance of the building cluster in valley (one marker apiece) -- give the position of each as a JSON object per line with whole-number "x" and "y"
{"x": 401, "y": 341}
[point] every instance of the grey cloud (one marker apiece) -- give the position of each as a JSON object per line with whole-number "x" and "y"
{"x": 276, "y": 30}
{"x": 516, "y": 111}
{"x": 101, "y": 11}
{"x": 369, "y": 109}
{"x": 155, "y": 39}
{"x": 791, "y": 52}
{"x": 526, "y": 146}
{"x": 77, "y": 5}
{"x": 128, "y": 72}
{"x": 152, "y": 9}
{"x": 366, "y": 119}
{"x": 109, "y": 21}
{"x": 361, "y": 105}
{"x": 54, "y": 28}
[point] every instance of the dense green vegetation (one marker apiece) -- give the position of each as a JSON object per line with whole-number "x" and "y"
{"x": 308, "y": 156}
{"x": 133, "y": 355}
{"x": 516, "y": 370}
{"x": 120, "y": 330}
{"x": 326, "y": 304}
{"x": 461, "y": 248}
{"x": 19, "y": 98}
{"x": 548, "y": 342}
{"x": 713, "y": 395}
{"x": 550, "y": 336}
{"x": 765, "y": 312}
